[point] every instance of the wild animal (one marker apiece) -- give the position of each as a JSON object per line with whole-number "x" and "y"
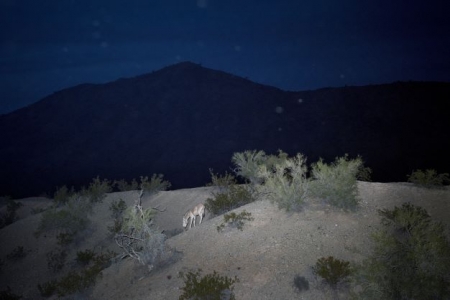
{"x": 191, "y": 215}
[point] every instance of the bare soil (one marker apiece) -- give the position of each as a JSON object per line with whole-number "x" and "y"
{"x": 265, "y": 256}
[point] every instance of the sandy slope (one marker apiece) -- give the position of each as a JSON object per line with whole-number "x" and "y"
{"x": 265, "y": 256}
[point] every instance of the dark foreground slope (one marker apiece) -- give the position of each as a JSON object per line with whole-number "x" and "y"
{"x": 184, "y": 119}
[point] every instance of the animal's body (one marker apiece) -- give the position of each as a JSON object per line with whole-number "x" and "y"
{"x": 191, "y": 215}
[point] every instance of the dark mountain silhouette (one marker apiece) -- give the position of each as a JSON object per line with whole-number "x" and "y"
{"x": 184, "y": 119}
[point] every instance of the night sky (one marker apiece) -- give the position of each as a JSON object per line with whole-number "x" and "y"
{"x": 49, "y": 45}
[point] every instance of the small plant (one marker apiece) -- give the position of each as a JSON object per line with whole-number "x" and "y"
{"x": 17, "y": 254}
{"x": 337, "y": 183}
{"x": 77, "y": 281}
{"x": 123, "y": 186}
{"x": 229, "y": 195}
{"x": 97, "y": 190}
{"x": 332, "y": 270}
{"x": 65, "y": 238}
{"x": 428, "y": 178}
{"x": 56, "y": 260}
{"x": 117, "y": 208}
{"x": 410, "y": 259}
{"x": 85, "y": 257}
{"x": 301, "y": 283}
{"x": 10, "y": 216}
{"x": 235, "y": 220}
{"x": 8, "y": 295}
{"x": 155, "y": 184}
{"x": 63, "y": 195}
{"x": 48, "y": 289}
{"x": 70, "y": 219}
{"x": 211, "y": 286}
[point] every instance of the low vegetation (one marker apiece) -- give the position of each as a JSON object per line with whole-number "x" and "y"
{"x": 410, "y": 259}
{"x": 211, "y": 286}
{"x": 336, "y": 183}
{"x": 332, "y": 270}
{"x": 9, "y": 216}
{"x": 235, "y": 220}
{"x": 428, "y": 178}
{"x": 229, "y": 194}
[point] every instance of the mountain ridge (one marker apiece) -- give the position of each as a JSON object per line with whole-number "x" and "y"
{"x": 183, "y": 119}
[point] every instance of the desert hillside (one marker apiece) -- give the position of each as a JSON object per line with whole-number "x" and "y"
{"x": 266, "y": 256}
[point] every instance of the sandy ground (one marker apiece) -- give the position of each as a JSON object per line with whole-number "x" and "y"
{"x": 266, "y": 256}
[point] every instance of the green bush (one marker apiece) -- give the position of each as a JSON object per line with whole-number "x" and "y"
{"x": 48, "y": 289}
{"x": 428, "y": 178}
{"x": 228, "y": 196}
{"x": 410, "y": 260}
{"x": 8, "y": 295}
{"x": 77, "y": 281}
{"x": 235, "y": 220}
{"x": 337, "y": 183}
{"x": 56, "y": 260}
{"x": 10, "y": 216}
{"x": 63, "y": 195}
{"x": 138, "y": 238}
{"x": 285, "y": 181}
{"x": 155, "y": 184}
{"x": 211, "y": 286}
{"x": 85, "y": 257}
{"x": 123, "y": 186}
{"x": 97, "y": 190}
{"x": 117, "y": 208}
{"x": 17, "y": 254}
{"x": 247, "y": 165}
{"x": 332, "y": 270}
{"x": 70, "y": 219}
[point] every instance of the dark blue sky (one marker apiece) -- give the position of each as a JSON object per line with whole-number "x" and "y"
{"x": 49, "y": 45}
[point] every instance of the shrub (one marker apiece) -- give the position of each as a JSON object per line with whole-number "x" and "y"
{"x": 97, "y": 190}
{"x": 410, "y": 259}
{"x": 8, "y": 295}
{"x": 85, "y": 257}
{"x": 235, "y": 220}
{"x": 211, "y": 286}
{"x": 48, "y": 289}
{"x": 10, "y": 216}
{"x": 156, "y": 184}
{"x": 428, "y": 178}
{"x": 137, "y": 238}
{"x": 285, "y": 181}
{"x": 301, "y": 283}
{"x": 337, "y": 183}
{"x": 332, "y": 270}
{"x": 72, "y": 218}
{"x": 247, "y": 165}
{"x": 122, "y": 185}
{"x": 77, "y": 281}
{"x": 56, "y": 260}
{"x": 117, "y": 208}
{"x": 63, "y": 195}
{"x": 17, "y": 254}
{"x": 228, "y": 196}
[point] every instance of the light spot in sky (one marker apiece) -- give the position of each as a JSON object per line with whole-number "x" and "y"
{"x": 237, "y": 48}
{"x": 96, "y": 23}
{"x": 104, "y": 45}
{"x": 178, "y": 57}
{"x": 279, "y": 109}
{"x": 342, "y": 76}
{"x": 280, "y": 129}
{"x": 300, "y": 100}
{"x": 202, "y": 3}
{"x": 96, "y": 35}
